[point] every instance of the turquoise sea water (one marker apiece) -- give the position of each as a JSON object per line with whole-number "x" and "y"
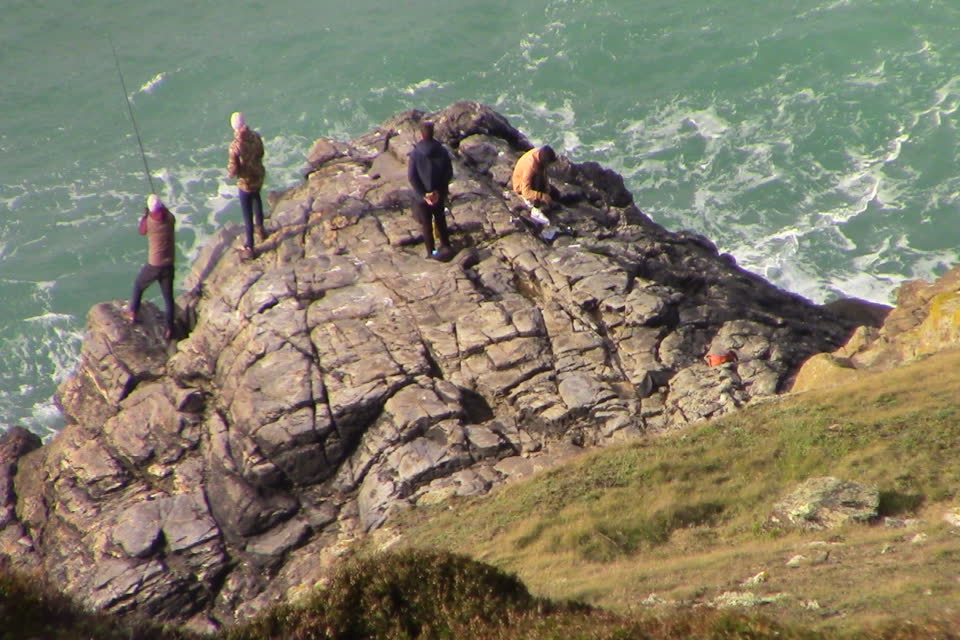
{"x": 816, "y": 140}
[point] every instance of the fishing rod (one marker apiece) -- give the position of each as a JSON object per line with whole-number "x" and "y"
{"x": 136, "y": 130}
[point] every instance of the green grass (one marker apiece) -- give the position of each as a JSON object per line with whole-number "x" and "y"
{"x": 435, "y": 595}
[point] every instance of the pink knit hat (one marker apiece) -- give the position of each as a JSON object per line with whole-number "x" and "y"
{"x": 153, "y": 202}
{"x": 237, "y": 121}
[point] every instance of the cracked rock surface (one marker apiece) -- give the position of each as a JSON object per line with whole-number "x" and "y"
{"x": 340, "y": 376}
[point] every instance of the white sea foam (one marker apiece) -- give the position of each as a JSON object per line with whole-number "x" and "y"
{"x": 706, "y": 123}
{"x": 947, "y": 96}
{"x": 417, "y": 87}
{"x": 531, "y": 60}
{"x": 571, "y": 141}
{"x": 732, "y": 168}
{"x": 817, "y": 10}
{"x": 562, "y": 119}
{"x": 563, "y": 116}
{"x": 872, "y": 277}
{"x": 46, "y": 419}
{"x": 11, "y": 194}
{"x": 50, "y": 318}
{"x": 874, "y": 78}
{"x": 925, "y": 48}
{"x": 776, "y": 260}
{"x": 66, "y": 353}
{"x": 931, "y": 264}
{"x": 856, "y": 191}
{"x": 151, "y": 85}
{"x": 33, "y": 361}
{"x": 875, "y": 287}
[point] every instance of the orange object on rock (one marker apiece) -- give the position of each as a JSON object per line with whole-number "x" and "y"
{"x": 715, "y": 360}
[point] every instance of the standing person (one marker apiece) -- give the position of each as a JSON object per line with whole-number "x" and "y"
{"x": 157, "y": 224}
{"x": 530, "y": 179}
{"x": 246, "y": 165}
{"x": 430, "y": 171}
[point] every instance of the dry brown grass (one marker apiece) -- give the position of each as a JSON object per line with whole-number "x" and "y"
{"x": 683, "y": 516}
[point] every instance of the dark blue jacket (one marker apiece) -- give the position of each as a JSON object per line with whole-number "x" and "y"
{"x": 429, "y": 168}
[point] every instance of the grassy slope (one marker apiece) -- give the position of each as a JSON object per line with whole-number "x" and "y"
{"x": 683, "y": 516}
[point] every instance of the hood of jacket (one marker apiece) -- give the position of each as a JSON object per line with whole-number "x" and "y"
{"x": 431, "y": 168}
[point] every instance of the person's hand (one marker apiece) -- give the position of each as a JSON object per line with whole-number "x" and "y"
{"x": 432, "y": 198}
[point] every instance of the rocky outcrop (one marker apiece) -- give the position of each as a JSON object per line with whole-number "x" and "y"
{"x": 341, "y": 376}
{"x": 925, "y": 320}
{"x": 826, "y": 503}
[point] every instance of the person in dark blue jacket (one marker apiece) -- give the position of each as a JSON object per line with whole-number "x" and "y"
{"x": 430, "y": 172}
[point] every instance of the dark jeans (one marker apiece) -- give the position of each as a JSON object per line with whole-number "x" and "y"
{"x": 148, "y": 275}
{"x": 426, "y": 215}
{"x": 251, "y": 205}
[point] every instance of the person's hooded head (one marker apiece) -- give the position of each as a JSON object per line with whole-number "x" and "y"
{"x": 547, "y": 154}
{"x": 237, "y": 121}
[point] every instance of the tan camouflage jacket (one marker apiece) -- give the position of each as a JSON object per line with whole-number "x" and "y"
{"x": 246, "y": 160}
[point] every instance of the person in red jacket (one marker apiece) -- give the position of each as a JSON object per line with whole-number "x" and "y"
{"x": 157, "y": 224}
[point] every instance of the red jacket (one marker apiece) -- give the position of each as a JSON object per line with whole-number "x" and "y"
{"x": 158, "y": 226}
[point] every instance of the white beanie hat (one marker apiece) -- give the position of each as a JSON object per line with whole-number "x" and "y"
{"x": 153, "y": 202}
{"x": 236, "y": 121}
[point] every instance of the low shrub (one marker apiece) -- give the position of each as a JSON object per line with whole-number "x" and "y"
{"x": 402, "y": 596}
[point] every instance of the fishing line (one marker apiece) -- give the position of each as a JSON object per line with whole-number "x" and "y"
{"x": 136, "y": 130}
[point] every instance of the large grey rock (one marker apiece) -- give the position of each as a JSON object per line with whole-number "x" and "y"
{"x": 340, "y": 376}
{"x": 826, "y": 503}
{"x": 952, "y": 517}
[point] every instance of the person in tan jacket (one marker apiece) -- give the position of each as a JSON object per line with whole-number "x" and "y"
{"x": 530, "y": 176}
{"x": 246, "y": 165}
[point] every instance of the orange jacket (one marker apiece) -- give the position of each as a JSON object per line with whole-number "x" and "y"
{"x": 530, "y": 177}
{"x": 715, "y": 359}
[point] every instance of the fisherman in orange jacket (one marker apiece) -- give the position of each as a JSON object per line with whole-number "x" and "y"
{"x": 530, "y": 176}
